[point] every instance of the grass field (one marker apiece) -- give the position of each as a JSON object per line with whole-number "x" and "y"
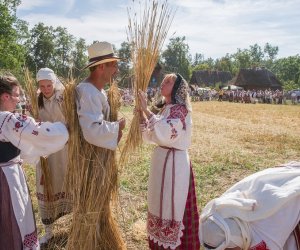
{"x": 230, "y": 141}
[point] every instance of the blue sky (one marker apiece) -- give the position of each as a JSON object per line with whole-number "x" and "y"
{"x": 211, "y": 27}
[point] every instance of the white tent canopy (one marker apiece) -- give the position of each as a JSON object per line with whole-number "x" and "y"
{"x": 232, "y": 87}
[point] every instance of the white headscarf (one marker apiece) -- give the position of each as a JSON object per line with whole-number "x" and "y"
{"x": 48, "y": 74}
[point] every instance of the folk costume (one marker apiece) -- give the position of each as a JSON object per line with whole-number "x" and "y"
{"x": 93, "y": 112}
{"x": 93, "y": 225}
{"x": 56, "y": 202}
{"x": 172, "y": 221}
{"x": 21, "y": 134}
{"x": 261, "y": 212}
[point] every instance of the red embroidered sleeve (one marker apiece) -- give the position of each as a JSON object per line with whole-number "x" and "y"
{"x": 261, "y": 246}
{"x": 178, "y": 111}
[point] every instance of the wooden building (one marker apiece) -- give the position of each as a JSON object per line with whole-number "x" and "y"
{"x": 257, "y": 78}
{"x": 209, "y": 78}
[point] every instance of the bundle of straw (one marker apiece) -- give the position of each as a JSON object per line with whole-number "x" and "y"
{"x": 31, "y": 90}
{"x": 146, "y": 36}
{"x": 92, "y": 181}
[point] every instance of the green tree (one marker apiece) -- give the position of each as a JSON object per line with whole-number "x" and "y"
{"x": 201, "y": 66}
{"x": 224, "y": 64}
{"x": 41, "y": 47}
{"x": 271, "y": 51}
{"x": 79, "y": 58}
{"x": 12, "y": 32}
{"x": 270, "y": 54}
{"x": 11, "y": 4}
{"x": 287, "y": 70}
{"x": 176, "y": 57}
{"x": 124, "y": 65}
{"x": 63, "y": 47}
{"x": 198, "y": 59}
{"x": 242, "y": 59}
{"x": 256, "y": 55}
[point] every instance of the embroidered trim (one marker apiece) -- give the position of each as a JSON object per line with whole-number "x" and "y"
{"x": 20, "y": 123}
{"x": 4, "y": 121}
{"x": 35, "y": 132}
{"x": 30, "y": 240}
{"x": 179, "y": 111}
{"x": 260, "y": 246}
{"x": 174, "y": 132}
{"x": 162, "y": 230}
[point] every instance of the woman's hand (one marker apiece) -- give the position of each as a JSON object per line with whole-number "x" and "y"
{"x": 144, "y": 107}
{"x": 143, "y": 100}
{"x": 142, "y": 115}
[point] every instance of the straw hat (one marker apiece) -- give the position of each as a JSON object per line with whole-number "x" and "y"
{"x": 101, "y": 52}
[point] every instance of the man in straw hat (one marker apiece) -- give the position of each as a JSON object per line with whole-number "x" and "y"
{"x": 93, "y": 226}
{"x": 93, "y": 108}
{"x": 261, "y": 212}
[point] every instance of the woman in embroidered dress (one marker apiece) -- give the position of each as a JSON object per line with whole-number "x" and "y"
{"x": 56, "y": 204}
{"x": 20, "y": 134}
{"x": 172, "y": 207}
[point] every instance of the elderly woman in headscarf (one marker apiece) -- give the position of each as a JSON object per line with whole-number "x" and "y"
{"x": 172, "y": 221}
{"x": 57, "y": 203}
{"x": 260, "y": 212}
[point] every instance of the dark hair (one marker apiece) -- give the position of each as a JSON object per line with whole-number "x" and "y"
{"x": 94, "y": 67}
{"x": 7, "y": 83}
{"x": 40, "y": 100}
{"x": 175, "y": 88}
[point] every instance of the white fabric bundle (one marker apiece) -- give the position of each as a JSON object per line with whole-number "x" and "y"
{"x": 254, "y": 198}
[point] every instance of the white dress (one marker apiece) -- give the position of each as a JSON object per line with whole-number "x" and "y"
{"x": 168, "y": 183}
{"x": 19, "y": 132}
{"x": 58, "y": 203}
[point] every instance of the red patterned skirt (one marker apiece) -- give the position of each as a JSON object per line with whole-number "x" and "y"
{"x": 190, "y": 238}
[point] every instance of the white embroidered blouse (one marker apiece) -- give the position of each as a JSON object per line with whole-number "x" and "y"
{"x": 93, "y": 112}
{"x": 34, "y": 139}
{"x": 171, "y": 128}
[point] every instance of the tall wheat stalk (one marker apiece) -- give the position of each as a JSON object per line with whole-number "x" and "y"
{"x": 92, "y": 181}
{"x": 147, "y": 31}
{"x": 31, "y": 90}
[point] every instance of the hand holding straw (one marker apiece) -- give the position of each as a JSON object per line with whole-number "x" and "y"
{"x": 146, "y": 34}
{"x": 143, "y": 104}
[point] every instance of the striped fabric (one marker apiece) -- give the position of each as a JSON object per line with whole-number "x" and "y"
{"x": 10, "y": 238}
{"x": 190, "y": 238}
{"x": 297, "y": 235}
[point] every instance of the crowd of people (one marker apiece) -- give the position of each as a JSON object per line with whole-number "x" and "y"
{"x": 260, "y": 212}
{"x": 246, "y": 96}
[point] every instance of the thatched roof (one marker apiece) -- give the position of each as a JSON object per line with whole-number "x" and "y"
{"x": 258, "y": 78}
{"x": 210, "y": 77}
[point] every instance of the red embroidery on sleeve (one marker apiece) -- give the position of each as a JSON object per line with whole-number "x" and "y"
{"x": 173, "y": 130}
{"x": 260, "y": 246}
{"x": 179, "y": 111}
{"x": 35, "y": 132}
